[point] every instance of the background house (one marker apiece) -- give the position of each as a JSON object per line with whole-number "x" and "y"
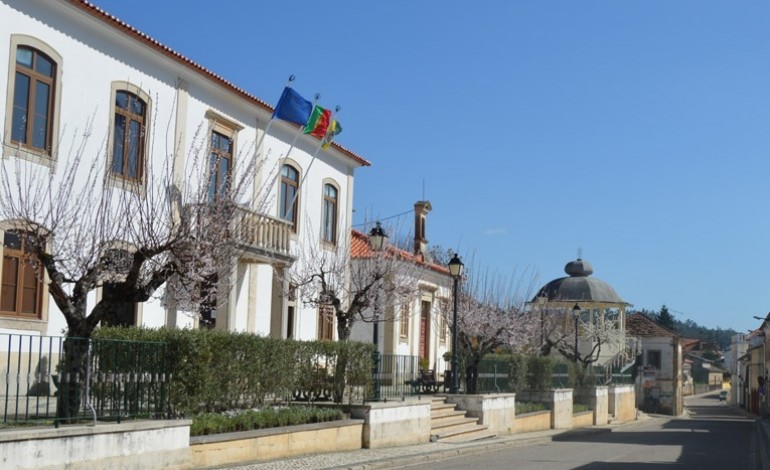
{"x": 74, "y": 75}
{"x": 410, "y": 326}
{"x": 659, "y": 380}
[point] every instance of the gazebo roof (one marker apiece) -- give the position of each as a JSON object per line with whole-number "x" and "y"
{"x": 579, "y": 287}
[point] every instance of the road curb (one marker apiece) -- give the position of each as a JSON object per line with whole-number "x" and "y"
{"x": 482, "y": 448}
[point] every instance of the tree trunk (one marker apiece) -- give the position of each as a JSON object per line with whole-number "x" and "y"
{"x": 472, "y": 376}
{"x": 73, "y": 369}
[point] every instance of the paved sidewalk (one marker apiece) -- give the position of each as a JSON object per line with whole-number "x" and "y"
{"x": 396, "y": 457}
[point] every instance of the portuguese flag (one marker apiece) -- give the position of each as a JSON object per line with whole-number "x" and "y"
{"x": 318, "y": 123}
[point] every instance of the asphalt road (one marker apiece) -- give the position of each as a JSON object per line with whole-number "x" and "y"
{"x": 711, "y": 436}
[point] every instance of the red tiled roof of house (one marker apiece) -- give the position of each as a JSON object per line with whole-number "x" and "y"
{"x": 129, "y": 30}
{"x": 639, "y": 324}
{"x": 359, "y": 248}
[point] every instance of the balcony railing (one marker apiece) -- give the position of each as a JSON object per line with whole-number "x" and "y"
{"x": 262, "y": 237}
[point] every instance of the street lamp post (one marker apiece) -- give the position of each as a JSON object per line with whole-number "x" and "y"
{"x": 576, "y": 315}
{"x": 456, "y": 270}
{"x": 377, "y": 239}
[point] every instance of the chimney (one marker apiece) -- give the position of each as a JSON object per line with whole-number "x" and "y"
{"x": 421, "y": 209}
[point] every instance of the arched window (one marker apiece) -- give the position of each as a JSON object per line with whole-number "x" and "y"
{"x": 22, "y": 277}
{"x": 329, "y": 234}
{"x": 289, "y": 197}
{"x": 33, "y": 99}
{"x": 128, "y": 136}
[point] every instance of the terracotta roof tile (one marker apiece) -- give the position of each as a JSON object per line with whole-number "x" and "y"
{"x": 359, "y": 248}
{"x": 124, "y": 27}
{"x": 639, "y": 324}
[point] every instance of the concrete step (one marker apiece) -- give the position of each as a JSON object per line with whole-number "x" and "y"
{"x": 444, "y": 416}
{"x": 450, "y": 423}
{"x": 470, "y": 436}
{"x": 467, "y": 430}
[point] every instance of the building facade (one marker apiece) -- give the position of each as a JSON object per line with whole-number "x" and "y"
{"x": 75, "y": 77}
{"x": 659, "y": 379}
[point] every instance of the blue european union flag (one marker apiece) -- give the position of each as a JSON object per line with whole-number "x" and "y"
{"x": 293, "y": 107}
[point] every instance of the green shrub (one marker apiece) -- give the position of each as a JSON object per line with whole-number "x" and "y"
{"x": 214, "y": 371}
{"x": 579, "y": 408}
{"x": 539, "y": 372}
{"x": 211, "y": 423}
{"x": 529, "y": 407}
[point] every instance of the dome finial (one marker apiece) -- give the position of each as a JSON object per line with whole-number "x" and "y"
{"x": 580, "y": 253}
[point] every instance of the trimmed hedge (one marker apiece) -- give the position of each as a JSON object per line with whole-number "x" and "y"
{"x": 210, "y": 423}
{"x": 213, "y": 371}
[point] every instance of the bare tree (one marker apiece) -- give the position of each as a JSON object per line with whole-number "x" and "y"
{"x": 81, "y": 227}
{"x": 355, "y": 282}
{"x": 490, "y": 316}
{"x": 595, "y": 333}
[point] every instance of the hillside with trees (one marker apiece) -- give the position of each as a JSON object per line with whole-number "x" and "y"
{"x": 688, "y": 328}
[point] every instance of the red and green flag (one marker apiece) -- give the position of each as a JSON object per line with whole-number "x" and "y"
{"x": 319, "y": 122}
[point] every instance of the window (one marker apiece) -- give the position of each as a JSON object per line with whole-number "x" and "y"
{"x": 220, "y": 166}
{"x": 653, "y": 359}
{"x": 22, "y": 284}
{"x": 33, "y": 99}
{"x": 116, "y": 263}
{"x": 128, "y": 135}
{"x": 330, "y": 214}
{"x": 121, "y": 313}
{"x": 289, "y": 199}
{"x": 326, "y": 322}
{"x": 32, "y": 107}
{"x": 404, "y": 321}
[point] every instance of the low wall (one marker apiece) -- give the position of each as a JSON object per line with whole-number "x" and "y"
{"x": 394, "y": 423}
{"x": 275, "y": 443}
{"x": 600, "y": 403}
{"x": 622, "y": 402}
{"x": 130, "y": 445}
{"x": 535, "y": 421}
{"x": 583, "y": 419}
{"x": 497, "y": 410}
{"x": 559, "y": 400}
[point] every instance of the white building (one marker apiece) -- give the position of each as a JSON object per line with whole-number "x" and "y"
{"x": 70, "y": 69}
{"x": 414, "y": 326}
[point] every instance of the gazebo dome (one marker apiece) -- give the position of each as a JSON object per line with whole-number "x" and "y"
{"x": 579, "y": 287}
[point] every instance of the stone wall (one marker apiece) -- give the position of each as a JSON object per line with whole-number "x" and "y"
{"x": 394, "y": 423}
{"x": 275, "y": 443}
{"x": 140, "y": 445}
{"x": 497, "y": 411}
{"x": 622, "y": 401}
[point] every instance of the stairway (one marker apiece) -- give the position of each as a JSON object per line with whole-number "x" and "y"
{"x": 448, "y": 424}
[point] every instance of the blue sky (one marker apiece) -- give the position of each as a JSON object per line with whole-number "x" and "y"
{"x": 638, "y": 131}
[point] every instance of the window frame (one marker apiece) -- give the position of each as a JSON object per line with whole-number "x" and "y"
{"x": 327, "y": 201}
{"x": 281, "y": 198}
{"x": 325, "y": 326}
{"x": 127, "y": 250}
{"x": 654, "y": 353}
{"x": 115, "y": 180}
{"x": 20, "y": 254}
{"x": 46, "y": 157}
{"x": 403, "y": 327}
{"x": 228, "y": 129}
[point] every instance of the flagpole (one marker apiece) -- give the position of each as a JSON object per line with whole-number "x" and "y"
{"x": 313, "y": 157}
{"x": 300, "y": 131}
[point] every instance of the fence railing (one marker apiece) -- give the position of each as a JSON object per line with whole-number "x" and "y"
{"x": 52, "y": 379}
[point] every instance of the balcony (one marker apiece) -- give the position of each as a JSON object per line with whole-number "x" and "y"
{"x": 262, "y": 238}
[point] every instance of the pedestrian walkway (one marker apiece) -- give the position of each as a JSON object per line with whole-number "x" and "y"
{"x": 396, "y": 457}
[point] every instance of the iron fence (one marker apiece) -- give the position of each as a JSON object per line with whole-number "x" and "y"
{"x": 52, "y": 379}
{"x": 399, "y": 376}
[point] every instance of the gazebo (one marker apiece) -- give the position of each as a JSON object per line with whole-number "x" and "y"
{"x": 580, "y": 294}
